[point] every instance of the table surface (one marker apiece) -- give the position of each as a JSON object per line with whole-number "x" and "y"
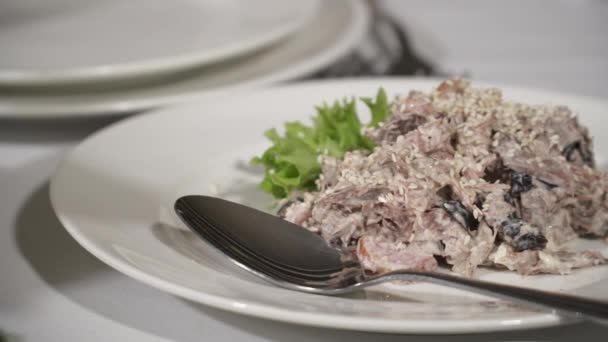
{"x": 53, "y": 290}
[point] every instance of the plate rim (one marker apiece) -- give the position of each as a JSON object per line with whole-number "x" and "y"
{"x": 45, "y": 108}
{"x": 285, "y": 315}
{"x": 158, "y": 65}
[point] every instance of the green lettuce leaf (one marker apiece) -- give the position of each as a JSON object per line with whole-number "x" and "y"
{"x": 380, "y": 108}
{"x": 292, "y": 162}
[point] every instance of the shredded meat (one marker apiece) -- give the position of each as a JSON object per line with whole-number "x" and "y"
{"x": 464, "y": 176}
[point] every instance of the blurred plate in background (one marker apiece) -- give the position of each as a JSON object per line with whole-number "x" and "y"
{"x": 65, "y": 41}
{"x": 334, "y": 32}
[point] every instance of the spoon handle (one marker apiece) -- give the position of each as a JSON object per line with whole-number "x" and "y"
{"x": 562, "y": 304}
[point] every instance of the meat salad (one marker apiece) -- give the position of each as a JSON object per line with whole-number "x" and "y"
{"x": 463, "y": 178}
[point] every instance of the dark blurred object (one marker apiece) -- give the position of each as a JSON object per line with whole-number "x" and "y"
{"x": 385, "y": 50}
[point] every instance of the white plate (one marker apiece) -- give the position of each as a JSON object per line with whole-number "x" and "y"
{"x": 340, "y": 25}
{"x": 108, "y": 192}
{"x": 63, "y": 41}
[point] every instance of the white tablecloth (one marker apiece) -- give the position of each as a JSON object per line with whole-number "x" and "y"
{"x": 53, "y": 290}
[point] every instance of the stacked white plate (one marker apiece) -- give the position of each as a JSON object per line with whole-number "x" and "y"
{"x": 77, "y": 58}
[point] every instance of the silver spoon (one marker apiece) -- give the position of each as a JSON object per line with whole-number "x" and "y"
{"x": 292, "y": 257}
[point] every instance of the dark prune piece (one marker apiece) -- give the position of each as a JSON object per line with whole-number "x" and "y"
{"x": 442, "y": 244}
{"x": 514, "y": 216}
{"x": 586, "y": 155}
{"x": 442, "y": 261}
{"x": 529, "y": 241}
{"x": 509, "y": 199}
{"x": 390, "y": 224}
{"x": 445, "y": 193}
{"x": 549, "y": 185}
{"x": 520, "y": 182}
{"x": 479, "y": 200}
{"x": 283, "y": 209}
{"x": 497, "y": 171}
{"x": 336, "y": 242}
{"x": 460, "y": 214}
{"x": 454, "y": 140}
{"x": 409, "y": 124}
{"x": 402, "y": 127}
{"x": 568, "y": 151}
{"x": 511, "y": 227}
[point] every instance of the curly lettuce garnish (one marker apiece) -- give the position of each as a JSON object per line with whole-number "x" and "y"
{"x": 292, "y": 162}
